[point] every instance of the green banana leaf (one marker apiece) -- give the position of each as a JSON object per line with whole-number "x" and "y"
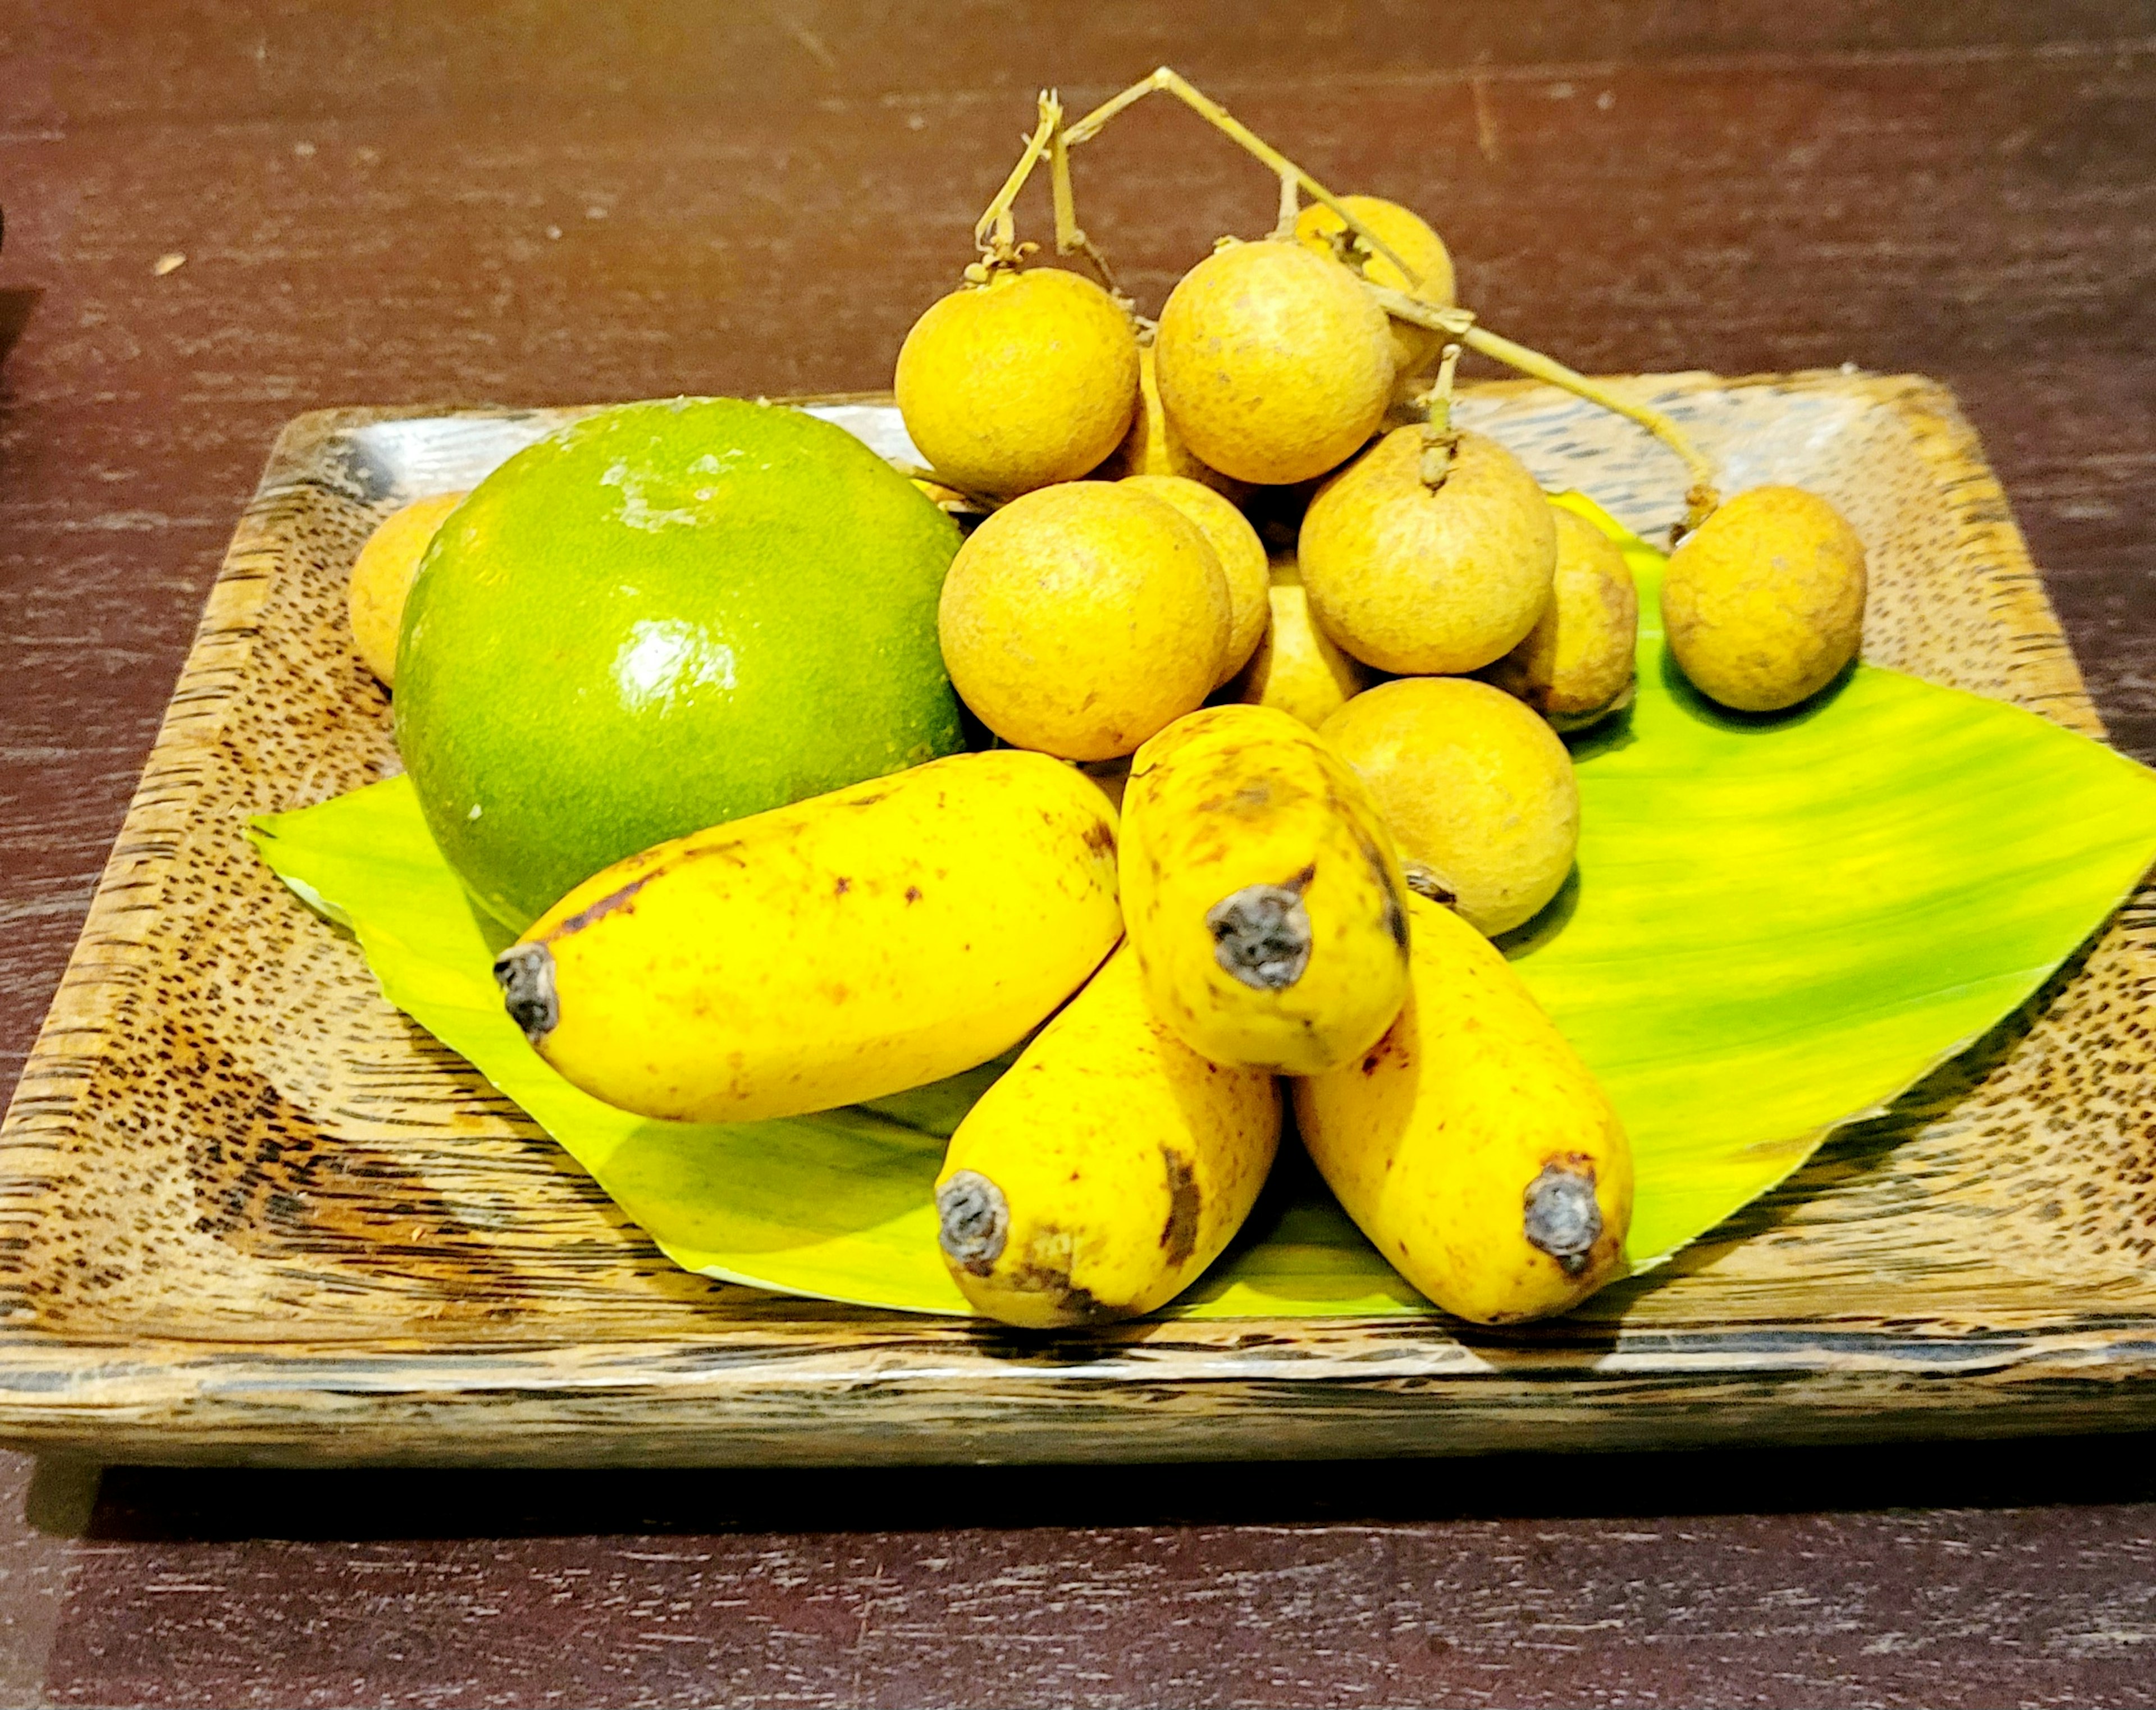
{"x": 1776, "y": 925}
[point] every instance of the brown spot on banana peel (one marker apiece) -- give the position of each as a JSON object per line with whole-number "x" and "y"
{"x": 1179, "y": 1237}
{"x": 1396, "y": 907}
{"x": 1101, "y": 837}
{"x": 1559, "y": 1214}
{"x": 608, "y": 904}
{"x": 1079, "y": 1306}
{"x": 526, "y": 975}
{"x": 1375, "y": 1057}
{"x": 1261, "y": 934}
{"x": 621, "y": 898}
{"x": 972, "y": 1221}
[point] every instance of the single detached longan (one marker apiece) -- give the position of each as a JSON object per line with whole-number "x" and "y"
{"x": 382, "y": 576}
{"x": 1763, "y": 603}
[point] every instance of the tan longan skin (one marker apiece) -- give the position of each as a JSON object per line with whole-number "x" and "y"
{"x": 1578, "y": 663}
{"x": 382, "y": 576}
{"x": 1235, "y": 544}
{"x": 1274, "y": 363}
{"x": 1028, "y": 380}
{"x": 1297, "y": 668}
{"x": 1763, "y": 603}
{"x": 1408, "y": 236}
{"x": 1080, "y": 619}
{"x": 1153, "y": 447}
{"x": 1422, "y": 582}
{"x": 1477, "y": 790}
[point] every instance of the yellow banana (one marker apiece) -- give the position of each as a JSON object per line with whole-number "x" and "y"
{"x": 1261, "y": 892}
{"x": 845, "y": 948}
{"x": 1107, "y": 1168}
{"x": 1471, "y": 1144}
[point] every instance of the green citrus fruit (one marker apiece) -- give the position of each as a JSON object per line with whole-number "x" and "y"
{"x": 666, "y": 616}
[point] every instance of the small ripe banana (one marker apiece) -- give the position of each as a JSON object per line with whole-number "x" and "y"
{"x": 1471, "y": 1144}
{"x": 1107, "y": 1169}
{"x": 845, "y": 948}
{"x": 1262, "y": 893}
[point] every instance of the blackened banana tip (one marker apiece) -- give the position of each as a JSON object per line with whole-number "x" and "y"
{"x": 526, "y": 975}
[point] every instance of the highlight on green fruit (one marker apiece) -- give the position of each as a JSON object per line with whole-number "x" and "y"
{"x": 1777, "y": 926}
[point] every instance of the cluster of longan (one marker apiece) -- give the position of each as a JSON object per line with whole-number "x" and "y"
{"x": 1115, "y": 586}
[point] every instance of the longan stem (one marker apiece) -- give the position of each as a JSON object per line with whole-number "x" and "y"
{"x": 1222, "y": 120}
{"x": 1291, "y": 205}
{"x": 1701, "y": 497}
{"x": 995, "y": 232}
{"x": 1095, "y": 122}
{"x": 1437, "y": 402}
{"x": 1071, "y": 238}
{"x": 1437, "y": 437}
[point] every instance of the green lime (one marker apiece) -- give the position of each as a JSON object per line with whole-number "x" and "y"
{"x": 666, "y": 616}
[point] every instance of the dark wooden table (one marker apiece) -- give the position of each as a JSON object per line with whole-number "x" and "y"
{"x": 550, "y": 202}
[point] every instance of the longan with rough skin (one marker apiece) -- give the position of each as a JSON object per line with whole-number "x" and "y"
{"x": 1235, "y": 543}
{"x": 1419, "y": 580}
{"x": 1152, "y": 447}
{"x": 1409, "y": 237}
{"x": 1577, "y": 666}
{"x": 1274, "y": 363}
{"x": 1029, "y": 379}
{"x": 1763, "y": 603}
{"x": 1478, "y": 791}
{"x": 1081, "y": 618}
{"x": 382, "y": 576}
{"x": 1296, "y": 668}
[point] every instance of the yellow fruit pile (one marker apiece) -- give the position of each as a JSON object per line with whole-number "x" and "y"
{"x": 1308, "y": 862}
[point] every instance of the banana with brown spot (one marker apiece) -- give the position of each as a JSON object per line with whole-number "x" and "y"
{"x": 1261, "y": 892}
{"x": 849, "y": 947}
{"x": 1470, "y": 1144}
{"x": 1107, "y": 1169}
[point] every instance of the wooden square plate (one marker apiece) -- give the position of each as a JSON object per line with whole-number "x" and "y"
{"x": 249, "y": 1213}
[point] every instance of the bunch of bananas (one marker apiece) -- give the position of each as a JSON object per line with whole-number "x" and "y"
{"x": 1243, "y": 919}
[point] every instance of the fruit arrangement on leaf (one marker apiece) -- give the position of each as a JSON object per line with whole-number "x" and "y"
{"x": 677, "y": 691}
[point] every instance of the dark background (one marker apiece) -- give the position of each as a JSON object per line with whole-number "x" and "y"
{"x": 548, "y": 203}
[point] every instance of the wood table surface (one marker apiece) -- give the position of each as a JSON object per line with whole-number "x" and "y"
{"x": 541, "y": 202}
